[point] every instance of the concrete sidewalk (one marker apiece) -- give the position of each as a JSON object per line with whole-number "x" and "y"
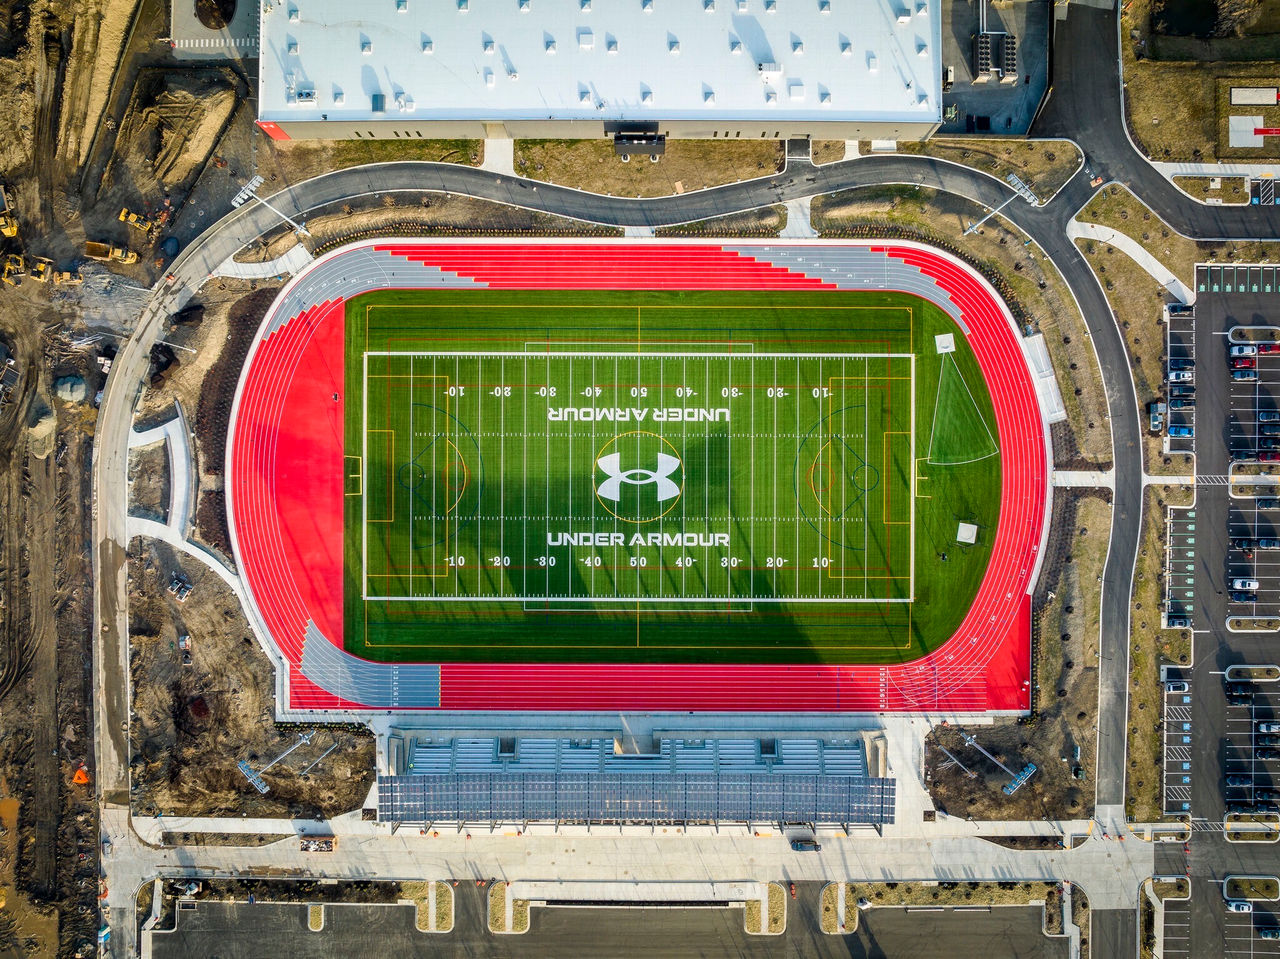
{"x": 177, "y": 436}
{"x": 295, "y": 259}
{"x": 1135, "y": 252}
{"x": 1087, "y": 479}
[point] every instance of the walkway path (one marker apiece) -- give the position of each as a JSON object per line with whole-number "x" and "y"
{"x": 287, "y": 264}
{"x": 1133, "y": 249}
{"x": 176, "y": 436}
{"x": 1086, "y": 479}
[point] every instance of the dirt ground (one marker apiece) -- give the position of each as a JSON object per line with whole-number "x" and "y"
{"x": 1065, "y": 681}
{"x": 149, "y": 482}
{"x": 49, "y": 822}
{"x": 764, "y": 222}
{"x": 687, "y": 165}
{"x": 1044, "y": 165}
{"x": 192, "y": 723}
{"x": 1029, "y": 281}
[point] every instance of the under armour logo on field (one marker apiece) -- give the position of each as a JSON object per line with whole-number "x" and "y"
{"x": 612, "y": 487}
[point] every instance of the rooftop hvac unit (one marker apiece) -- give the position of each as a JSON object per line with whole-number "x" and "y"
{"x": 982, "y": 58}
{"x": 769, "y": 72}
{"x": 1009, "y": 58}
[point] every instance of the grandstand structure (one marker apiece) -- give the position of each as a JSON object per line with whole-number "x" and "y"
{"x": 439, "y": 780}
{"x": 635, "y": 70}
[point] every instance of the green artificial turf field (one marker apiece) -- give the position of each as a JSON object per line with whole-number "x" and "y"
{"x": 662, "y": 477}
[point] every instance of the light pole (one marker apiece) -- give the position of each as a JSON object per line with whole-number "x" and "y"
{"x": 1020, "y": 190}
{"x": 250, "y": 192}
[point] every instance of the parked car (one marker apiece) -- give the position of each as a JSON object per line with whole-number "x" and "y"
{"x": 1182, "y": 376}
{"x": 1182, "y": 391}
{"x": 1242, "y": 543}
{"x": 1177, "y": 686}
{"x": 1269, "y": 416}
{"x": 1242, "y": 596}
{"x": 1244, "y": 349}
{"x": 1271, "y": 934}
{"x": 1269, "y": 456}
{"x": 1268, "y": 442}
{"x": 1244, "y": 584}
{"x": 1269, "y": 727}
{"x": 1268, "y": 795}
{"x": 1182, "y": 431}
{"x": 1238, "y": 456}
{"x": 1244, "y": 374}
{"x": 1239, "y": 905}
{"x": 1179, "y": 622}
{"x": 1269, "y": 544}
{"x": 1240, "y": 699}
{"x": 1238, "y": 781}
{"x": 1182, "y": 363}
{"x": 1267, "y": 502}
{"x": 1267, "y": 741}
{"x": 1244, "y": 363}
{"x": 1269, "y": 429}
{"x": 806, "y": 845}
{"x": 1269, "y": 347}
{"x": 1268, "y": 754}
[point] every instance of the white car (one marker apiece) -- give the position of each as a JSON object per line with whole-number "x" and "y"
{"x": 1269, "y": 727}
{"x": 1246, "y": 349}
{"x": 1182, "y": 376}
{"x": 1239, "y": 905}
{"x": 1248, "y": 584}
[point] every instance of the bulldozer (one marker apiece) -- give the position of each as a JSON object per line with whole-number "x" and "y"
{"x": 67, "y": 278}
{"x": 8, "y": 222}
{"x": 41, "y": 269}
{"x": 14, "y": 269}
{"x": 136, "y": 220}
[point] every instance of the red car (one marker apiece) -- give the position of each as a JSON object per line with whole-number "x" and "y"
{"x": 1269, "y": 457}
{"x": 1243, "y": 363}
{"x": 1269, "y": 347}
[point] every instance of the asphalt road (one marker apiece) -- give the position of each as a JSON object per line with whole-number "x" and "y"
{"x": 272, "y": 931}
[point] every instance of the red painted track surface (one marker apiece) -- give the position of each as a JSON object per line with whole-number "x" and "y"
{"x": 287, "y": 469}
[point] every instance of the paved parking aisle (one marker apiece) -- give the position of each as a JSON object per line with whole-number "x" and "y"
{"x": 1180, "y": 565}
{"x": 1250, "y": 756}
{"x": 1237, "y": 279}
{"x": 1177, "y": 753}
{"x": 1180, "y": 347}
{"x": 1256, "y": 559}
{"x": 1177, "y": 929}
{"x": 1241, "y": 934}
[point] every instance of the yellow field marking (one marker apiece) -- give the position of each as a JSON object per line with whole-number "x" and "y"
{"x": 347, "y": 474}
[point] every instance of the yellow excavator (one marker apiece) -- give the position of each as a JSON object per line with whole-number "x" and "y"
{"x": 14, "y": 269}
{"x": 8, "y": 222}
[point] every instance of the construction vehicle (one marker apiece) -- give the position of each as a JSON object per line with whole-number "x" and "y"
{"x": 67, "y": 278}
{"x": 8, "y": 222}
{"x": 136, "y": 220}
{"x": 41, "y": 269}
{"x": 105, "y": 251}
{"x": 14, "y": 269}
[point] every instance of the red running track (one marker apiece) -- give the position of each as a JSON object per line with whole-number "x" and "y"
{"x": 289, "y": 522}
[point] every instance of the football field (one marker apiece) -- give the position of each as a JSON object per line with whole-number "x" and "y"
{"x": 664, "y": 477}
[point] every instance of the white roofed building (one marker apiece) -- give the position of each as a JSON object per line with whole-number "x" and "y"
{"x": 833, "y": 69}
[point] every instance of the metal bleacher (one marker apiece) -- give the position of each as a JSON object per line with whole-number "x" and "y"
{"x": 589, "y": 780}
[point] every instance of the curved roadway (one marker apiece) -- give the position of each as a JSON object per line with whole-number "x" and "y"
{"x": 1086, "y": 44}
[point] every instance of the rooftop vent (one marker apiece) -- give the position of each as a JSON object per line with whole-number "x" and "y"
{"x": 797, "y": 47}
{"x": 463, "y": 6}
{"x": 742, "y": 6}
{"x": 873, "y": 62}
{"x": 489, "y": 46}
{"x": 378, "y": 103}
{"x": 646, "y": 95}
{"x": 428, "y": 46}
{"x": 708, "y": 95}
{"x": 769, "y": 72}
{"x": 585, "y": 5}
{"x": 611, "y": 44}
{"x": 584, "y": 95}
{"x": 402, "y": 6}
{"x": 735, "y": 45}
{"x": 824, "y": 6}
{"x": 550, "y": 45}
{"x": 586, "y": 40}
{"x": 846, "y": 48}
{"x": 770, "y": 96}
{"x": 366, "y": 47}
{"x": 293, "y": 48}
{"x": 339, "y": 98}
{"x": 708, "y": 6}
{"x": 673, "y": 45}
{"x": 795, "y": 90}
{"x": 524, "y": 6}
{"x": 770, "y": 6}
{"x": 294, "y": 16}
{"x": 824, "y": 96}
{"x": 646, "y": 6}
{"x": 922, "y": 49}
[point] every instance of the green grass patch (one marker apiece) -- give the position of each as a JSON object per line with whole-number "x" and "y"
{"x": 663, "y": 477}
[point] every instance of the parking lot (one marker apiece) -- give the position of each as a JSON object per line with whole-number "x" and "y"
{"x": 1177, "y": 752}
{"x": 1251, "y": 752}
{"x": 1180, "y": 412}
{"x": 1238, "y": 279}
{"x": 1241, "y": 933}
{"x": 1180, "y": 568}
{"x": 1177, "y": 929}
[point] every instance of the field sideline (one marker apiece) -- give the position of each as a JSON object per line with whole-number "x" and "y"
{"x": 817, "y": 524}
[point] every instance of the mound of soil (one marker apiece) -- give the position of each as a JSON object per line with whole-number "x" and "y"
{"x": 215, "y": 14}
